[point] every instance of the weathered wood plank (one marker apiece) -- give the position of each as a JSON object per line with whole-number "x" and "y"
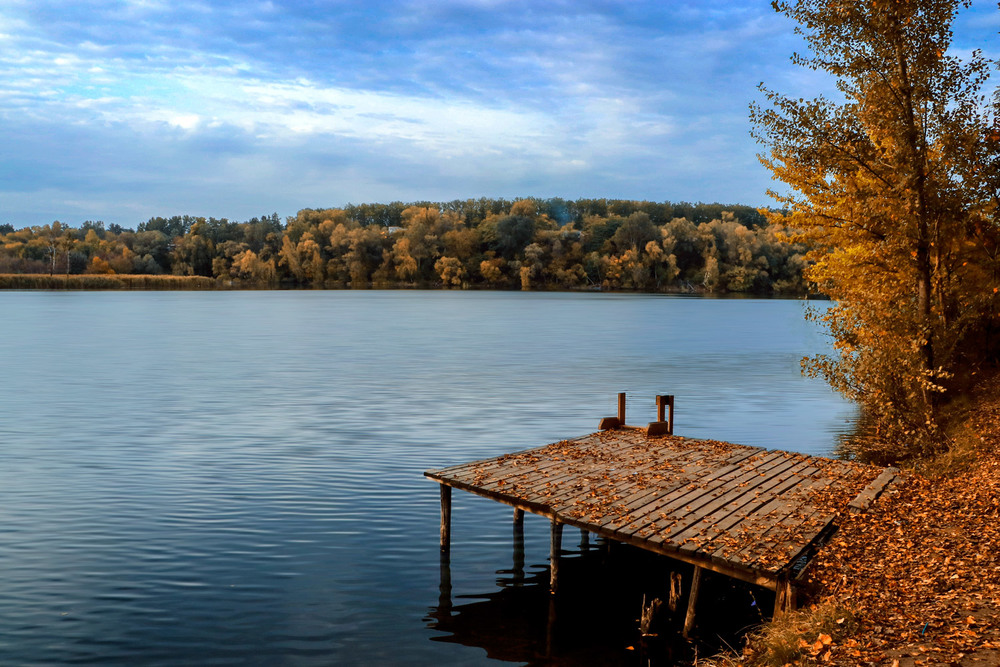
{"x": 873, "y": 490}
{"x": 738, "y": 501}
{"x": 737, "y": 510}
{"x": 639, "y": 484}
{"x": 745, "y": 521}
{"x": 689, "y": 488}
{"x": 680, "y": 513}
{"x": 773, "y": 523}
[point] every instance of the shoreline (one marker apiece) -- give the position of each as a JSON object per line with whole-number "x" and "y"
{"x": 152, "y": 282}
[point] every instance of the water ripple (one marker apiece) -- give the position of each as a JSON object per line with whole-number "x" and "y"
{"x": 236, "y": 478}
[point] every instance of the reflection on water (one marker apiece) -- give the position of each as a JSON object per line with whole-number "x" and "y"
{"x": 594, "y": 619}
{"x": 236, "y": 478}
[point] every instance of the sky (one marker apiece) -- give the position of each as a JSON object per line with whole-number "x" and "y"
{"x": 127, "y": 109}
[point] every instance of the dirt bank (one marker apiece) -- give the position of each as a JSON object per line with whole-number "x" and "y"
{"x": 916, "y": 580}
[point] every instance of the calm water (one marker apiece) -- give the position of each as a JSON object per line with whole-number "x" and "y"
{"x": 235, "y": 477}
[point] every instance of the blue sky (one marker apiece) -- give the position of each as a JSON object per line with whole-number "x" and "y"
{"x": 122, "y": 110}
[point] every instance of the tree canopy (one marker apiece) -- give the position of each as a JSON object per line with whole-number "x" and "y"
{"x": 894, "y": 186}
{"x": 522, "y": 244}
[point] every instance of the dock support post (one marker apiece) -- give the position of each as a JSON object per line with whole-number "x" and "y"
{"x": 445, "y": 521}
{"x": 784, "y": 600}
{"x": 621, "y": 408}
{"x": 665, "y": 411}
{"x": 444, "y": 589}
{"x": 692, "y": 602}
{"x": 584, "y": 540}
{"x": 670, "y": 415}
{"x": 674, "y": 600}
{"x": 518, "y": 547}
{"x": 550, "y": 628}
{"x": 664, "y": 424}
{"x": 554, "y": 546}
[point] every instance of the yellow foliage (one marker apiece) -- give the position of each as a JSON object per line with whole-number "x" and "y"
{"x": 100, "y": 266}
{"x": 891, "y": 190}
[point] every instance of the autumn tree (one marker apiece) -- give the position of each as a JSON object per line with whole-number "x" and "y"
{"x": 193, "y": 252}
{"x": 894, "y": 184}
{"x": 53, "y": 238}
{"x": 364, "y": 255}
{"x": 450, "y": 270}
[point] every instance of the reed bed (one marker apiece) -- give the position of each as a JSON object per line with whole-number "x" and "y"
{"x": 107, "y": 282}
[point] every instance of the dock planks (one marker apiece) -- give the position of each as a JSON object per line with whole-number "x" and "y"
{"x": 746, "y": 512}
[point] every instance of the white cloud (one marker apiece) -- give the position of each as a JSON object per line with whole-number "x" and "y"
{"x": 226, "y": 109}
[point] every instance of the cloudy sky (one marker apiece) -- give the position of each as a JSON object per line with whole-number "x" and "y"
{"x": 121, "y": 110}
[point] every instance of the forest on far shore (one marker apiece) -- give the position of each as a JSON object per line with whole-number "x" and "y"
{"x": 493, "y": 243}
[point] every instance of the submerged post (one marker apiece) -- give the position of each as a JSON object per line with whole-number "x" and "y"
{"x": 554, "y": 546}
{"x": 444, "y": 588}
{"x": 445, "y": 521}
{"x": 518, "y": 571}
{"x": 692, "y": 602}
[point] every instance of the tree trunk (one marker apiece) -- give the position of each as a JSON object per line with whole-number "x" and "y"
{"x": 917, "y": 165}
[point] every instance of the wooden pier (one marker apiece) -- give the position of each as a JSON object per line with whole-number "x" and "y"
{"x": 753, "y": 514}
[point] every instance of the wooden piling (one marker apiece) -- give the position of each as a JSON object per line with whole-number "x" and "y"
{"x": 665, "y": 411}
{"x": 692, "y": 602}
{"x": 518, "y": 570}
{"x": 550, "y": 628}
{"x": 670, "y": 414}
{"x": 621, "y": 408}
{"x": 648, "y": 619}
{"x": 785, "y": 598}
{"x": 675, "y": 592}
{"x": 445, "y": 520}
{"x": 444, "y": 588}
{"x": 554, "y": 547}
{"x": 664, "y": 424}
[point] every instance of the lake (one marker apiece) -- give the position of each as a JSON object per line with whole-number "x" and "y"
{"x": 236, "y": 477}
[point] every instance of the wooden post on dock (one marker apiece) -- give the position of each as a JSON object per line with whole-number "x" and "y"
{"x": 518, "y": 547}
{"x": 615, "y": 422}
{"x": 692, "y": 602}
{"x": 784, "y": 600}
{"x": 662, "y": 414}
{"x": 445, "y": 521}
{"x": 664, "y": 424}
{"x": 554, "y": 546}
{"x": 670, "y": 414}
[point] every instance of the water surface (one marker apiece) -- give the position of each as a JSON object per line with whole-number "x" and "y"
{"x": 235, "y": 477}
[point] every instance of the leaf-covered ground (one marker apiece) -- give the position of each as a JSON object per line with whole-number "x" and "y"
{"x": 921, "y": 570}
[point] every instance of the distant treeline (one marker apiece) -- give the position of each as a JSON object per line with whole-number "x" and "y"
{"x": 527, "y": 244}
